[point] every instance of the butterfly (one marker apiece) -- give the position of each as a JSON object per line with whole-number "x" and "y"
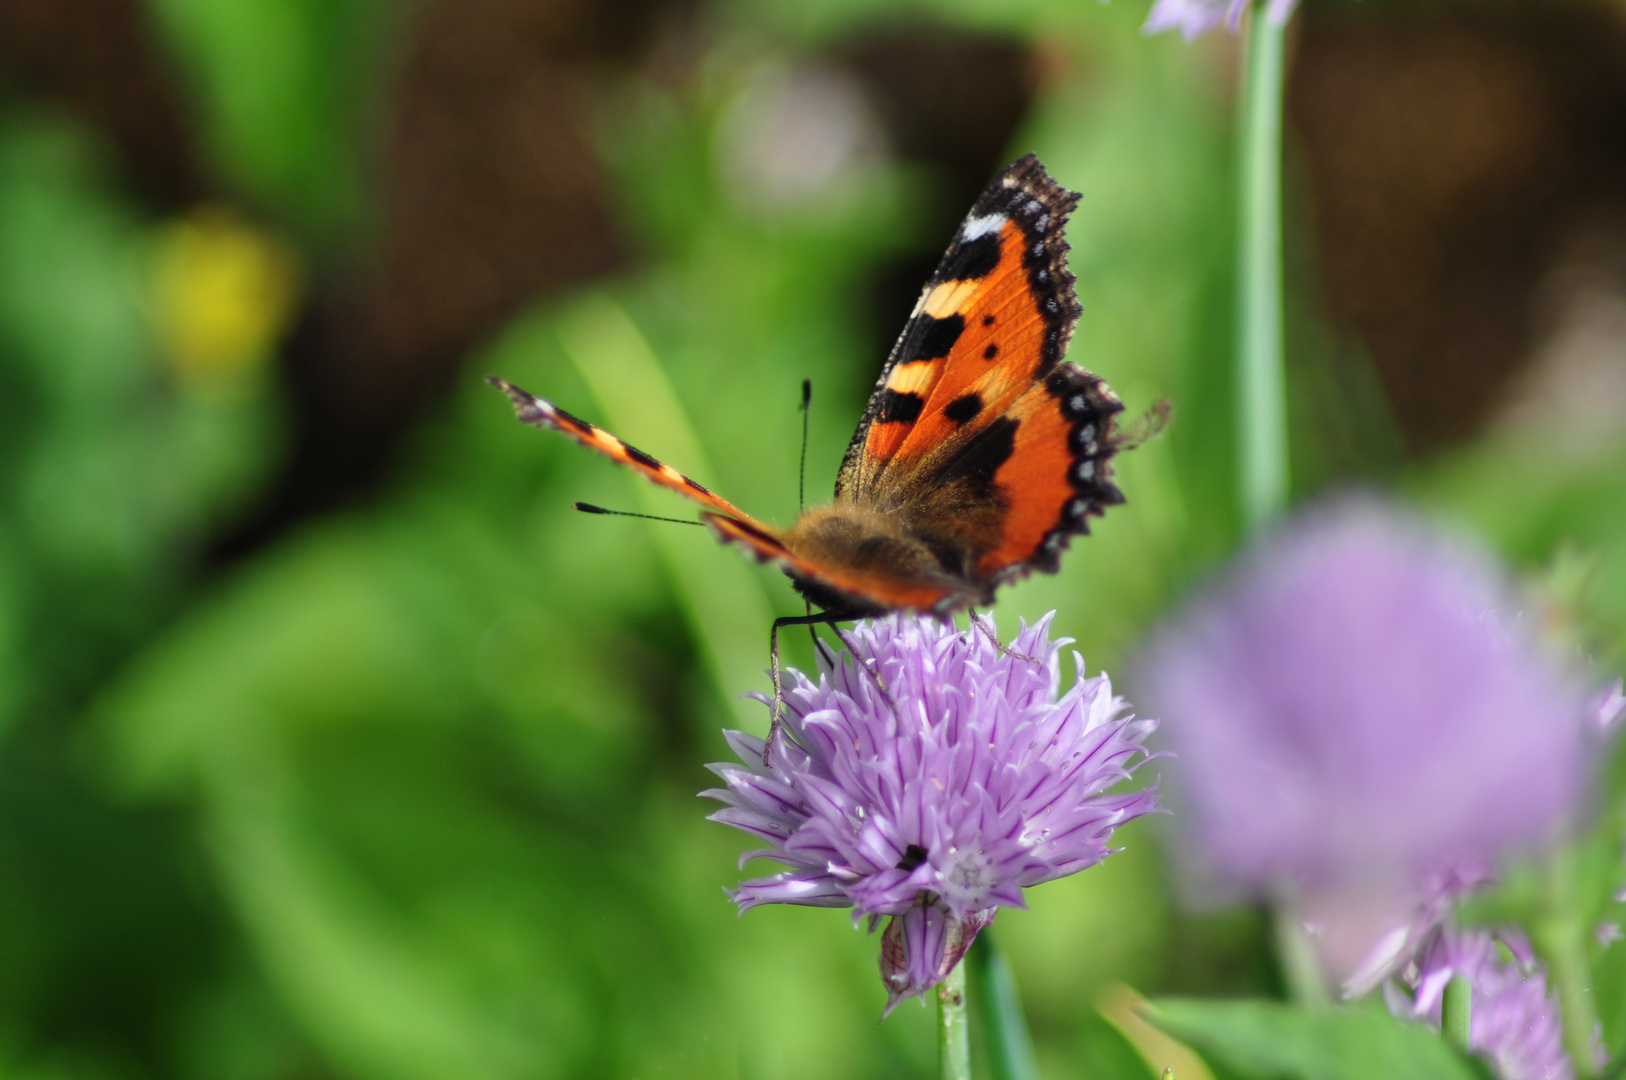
{"x": 982, "y": 451}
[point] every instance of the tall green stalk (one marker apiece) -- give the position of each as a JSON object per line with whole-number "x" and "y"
{"x": 1261, "y": 394}
{"x": 1260, "y": 389}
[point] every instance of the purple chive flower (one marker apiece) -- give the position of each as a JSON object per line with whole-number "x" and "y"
{"x": 932, "y": 783}
{"x": 1355, "y": 711}
{"x": 1514, "y": 1021}
{"x": 1194, "y": 18}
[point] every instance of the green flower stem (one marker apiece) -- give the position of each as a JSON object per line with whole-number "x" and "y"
{"x": 1456, "y": 1012}
{"x": 1261, "y": 397}
{"x": 1560, "y": 937}
{"x": 1295, "y": 952}
{"x": 999, "y": 1009}
{"x": 953, "y": 1033}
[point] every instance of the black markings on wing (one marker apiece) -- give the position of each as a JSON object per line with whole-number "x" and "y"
{"x": 970, "y": 259}
{"x": 963, "y": 408}
{"x": 638, "y": 455}
{"x": 1040, "y": 206}
{"x": 981, "y": 457}
{"x": 1089, "y": 403}
{"x": 896, "y": 408}
{"x": 926, "y": 338}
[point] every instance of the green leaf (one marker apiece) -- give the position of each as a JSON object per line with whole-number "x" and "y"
{"x": 282, "y": 89}
{"x": 1268, "y": 1039}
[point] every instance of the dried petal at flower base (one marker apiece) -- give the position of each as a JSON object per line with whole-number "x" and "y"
{"x": 920, "y": 947}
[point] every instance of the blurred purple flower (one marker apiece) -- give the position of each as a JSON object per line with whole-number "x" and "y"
{"x": 1514, "y": 1021}
{"x": 1353, "y": 714}
{"x": 933, "y": 785}
{"x": 1194, "y": 18}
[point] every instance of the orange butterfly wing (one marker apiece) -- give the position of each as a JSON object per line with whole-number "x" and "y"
{"x": 995, "y": 316}
{"x": 977, "y": 385}
{"x": 541, "y": 413}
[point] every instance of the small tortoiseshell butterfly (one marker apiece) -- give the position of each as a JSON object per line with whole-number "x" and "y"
{"x": 981, "y": 453}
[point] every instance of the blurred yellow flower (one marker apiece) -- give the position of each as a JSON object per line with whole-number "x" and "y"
{"x": 223, "y": 291}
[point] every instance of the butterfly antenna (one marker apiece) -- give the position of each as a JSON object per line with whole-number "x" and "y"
{"x": 801, "y": 504}
{"x": 801, "y": 473}
{"x": 589, "y": 508}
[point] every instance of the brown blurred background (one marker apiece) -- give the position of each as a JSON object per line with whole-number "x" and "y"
{"x": 1463, "y": 166}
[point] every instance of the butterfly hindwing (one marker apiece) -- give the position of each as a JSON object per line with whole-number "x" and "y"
{"x": 995, "y": 317}
{"x": 1058, "y": 473}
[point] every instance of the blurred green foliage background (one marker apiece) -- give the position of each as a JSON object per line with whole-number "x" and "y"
{"x": 333, "y": 744}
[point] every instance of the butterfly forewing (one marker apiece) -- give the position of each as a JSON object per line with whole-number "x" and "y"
{"x": 995, "y": 317}
{"x": 993, "y": 446}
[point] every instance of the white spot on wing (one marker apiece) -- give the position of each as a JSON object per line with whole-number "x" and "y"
{"x": 981, "y": 226}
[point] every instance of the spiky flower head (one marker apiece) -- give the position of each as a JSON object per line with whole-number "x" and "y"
{"x": 1514, "y": 1020}
{"x": 931, "y": 778}
{"x": 1194, "y": 18}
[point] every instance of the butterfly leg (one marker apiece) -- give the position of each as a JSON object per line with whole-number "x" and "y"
{"x": 776, "y": 710}
{"x": 983, "y": 628}
{"x": 818, "y": 646}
